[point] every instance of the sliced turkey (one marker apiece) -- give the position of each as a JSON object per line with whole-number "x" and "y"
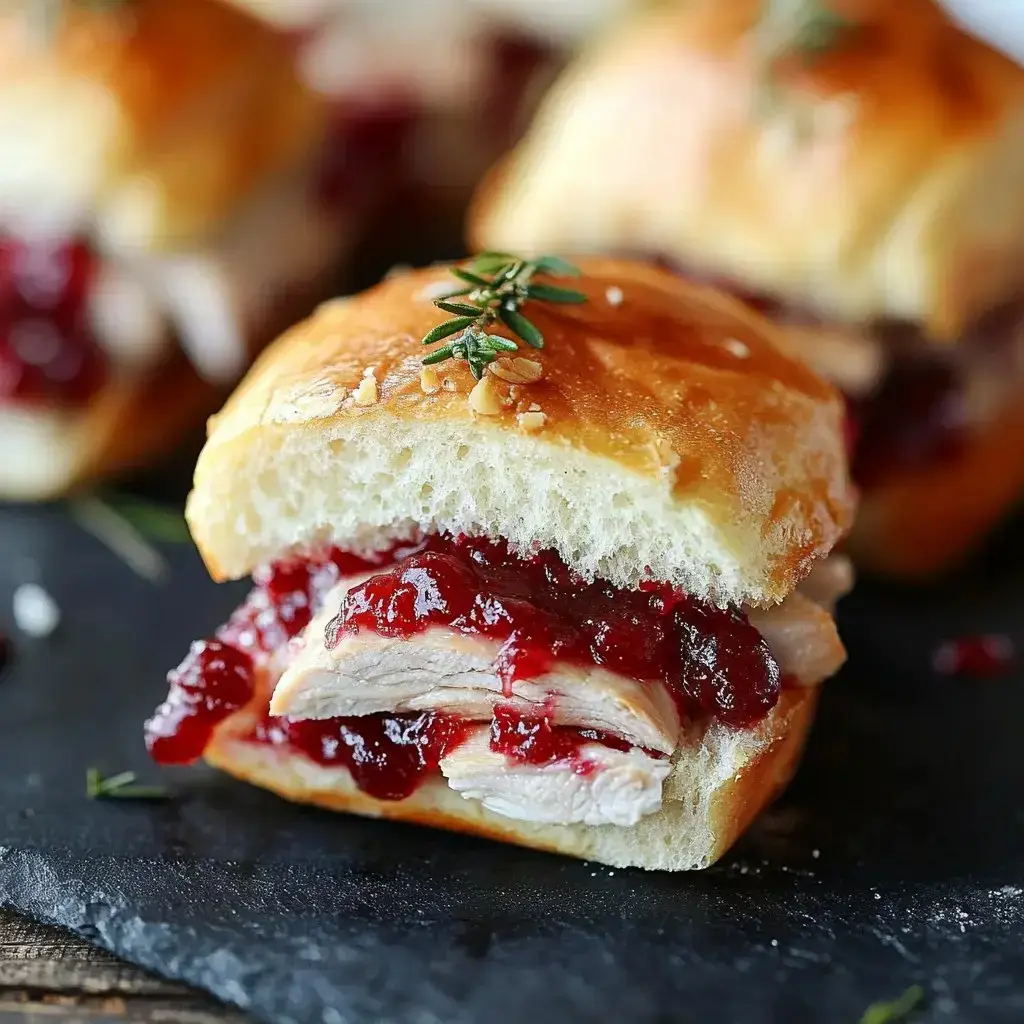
{"x": 600, "y": 786}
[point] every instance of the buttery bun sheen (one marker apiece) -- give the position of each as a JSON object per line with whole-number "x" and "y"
{"x": 638, "y": 515}
{"x": 658, "y": 432}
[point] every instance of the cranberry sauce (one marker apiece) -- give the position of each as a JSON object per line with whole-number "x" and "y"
{"x": 388, "y": 756}
{"x": 977, "y": 657}
{"x": 48, "y": 354}
{"x": 533, "y": 739}
{"x": 219, "y": 676}
{"x": 369, "y": 150}
{"x": 713, "y": 660}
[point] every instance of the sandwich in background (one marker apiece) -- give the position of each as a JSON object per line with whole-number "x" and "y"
{"x": 164, "y": 212}
{"x": 852, "y": 169}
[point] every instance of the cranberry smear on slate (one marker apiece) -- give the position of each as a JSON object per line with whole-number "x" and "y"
{"x": 983, "y": 656}
{"x": 47, "y": 351}
{"x": 713, "y": 660}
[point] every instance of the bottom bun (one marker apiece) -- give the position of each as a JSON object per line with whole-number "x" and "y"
{"x": 46, "y": 452}
{"x": 927, "y": 521}
{"x": 720, "y": 781}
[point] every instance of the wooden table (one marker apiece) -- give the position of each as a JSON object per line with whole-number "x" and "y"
{"x": 48, "y": 973}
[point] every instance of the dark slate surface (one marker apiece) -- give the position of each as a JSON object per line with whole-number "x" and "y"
{"x": 910, "y": 794}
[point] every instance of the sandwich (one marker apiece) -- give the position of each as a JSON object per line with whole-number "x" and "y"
{"x": 560, "y": 578}
{"x": 161, "y": 218}
{"x": 853, "y": 170}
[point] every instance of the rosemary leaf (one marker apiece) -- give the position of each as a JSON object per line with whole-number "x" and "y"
{"x": 550, "y": 293}
{"x": 158, "y": 522}
{"x": 458, "y": 308}
{"x": 502, "y": 344}
{"x": 469, "y": 278}
{"x": 492, "y": 262}
{"x": 898, "y": 1010}
{"x": 447, "y": 329}
{"x": 439, "y": 356}
{"x": 518, "y": 324}
{"x": 119, "y": 787}
{"x": 557, "y": 266}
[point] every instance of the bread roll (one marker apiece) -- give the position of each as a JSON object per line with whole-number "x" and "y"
{"x": 665, "y": 431}
{"x": 878, "y": 178}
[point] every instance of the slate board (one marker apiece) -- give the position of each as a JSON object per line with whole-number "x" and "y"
{"x": 910, "y": 793}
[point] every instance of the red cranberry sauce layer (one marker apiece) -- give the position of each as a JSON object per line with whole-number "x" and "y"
{"x": 713, "y": 660}
{"x": 916, "y": 417}
{"x": 48, "y": 354}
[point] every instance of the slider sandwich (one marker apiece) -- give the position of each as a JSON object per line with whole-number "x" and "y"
{"x": 560, "y": 578}
{"x": 853, "y": 168}
{"x": 162, "y": 216}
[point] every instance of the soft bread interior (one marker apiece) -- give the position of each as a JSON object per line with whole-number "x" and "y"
{"x": 720, "y": 780}
{"x": 370, "y": 482}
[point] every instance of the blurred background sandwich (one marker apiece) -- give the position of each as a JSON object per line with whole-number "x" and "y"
{"x": 853, "y": 170}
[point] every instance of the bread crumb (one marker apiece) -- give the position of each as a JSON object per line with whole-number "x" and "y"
{"x": 35, "y": 612}
{"x": 484, "y": 399}
{"x": 448, "y": 384}
{"x": 516, "y": 370}
{"x": 614, "y": 296}
{"x": 430, "y": 383}
{"x": 366, "y": 393}
{"x": 532, "y": 421}
{"x": 738, "y": 348}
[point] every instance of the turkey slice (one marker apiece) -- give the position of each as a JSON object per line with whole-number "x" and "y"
{"x": 599, "y": 786}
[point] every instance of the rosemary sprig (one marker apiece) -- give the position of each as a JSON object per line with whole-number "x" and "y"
{"x": 899, "y": 1009}
{"x": 806, "y": 28}
{"x": 120, "y": 787}
{"x": 157, "y": 522}
{"x": 496, "y": 285}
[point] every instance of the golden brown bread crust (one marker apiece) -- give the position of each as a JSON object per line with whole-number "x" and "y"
{"x": 668, "y": 380}
{"x": 731, "y": 808}
{"x": 881, "y": 180}
{"x": 926, "y": 521}
{"x": 208, "y": 100}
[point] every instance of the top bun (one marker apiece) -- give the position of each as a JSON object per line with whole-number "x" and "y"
{"x": 659, "y": 433}
{"x": 879, "y": 177}
{"x": 150, "y": 122}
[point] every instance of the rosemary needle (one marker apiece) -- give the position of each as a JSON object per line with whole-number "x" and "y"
{"x": 898, "y": 1010}
{"x": 120, "y": 787}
